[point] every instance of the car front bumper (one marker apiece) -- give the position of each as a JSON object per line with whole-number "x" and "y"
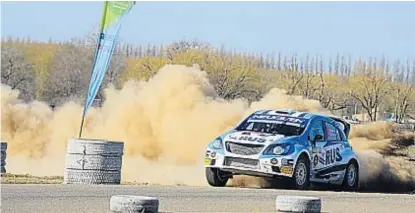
{"x": 269, "y": 166}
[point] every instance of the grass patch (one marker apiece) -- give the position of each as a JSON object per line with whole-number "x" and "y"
{"x": 8, "y": 178}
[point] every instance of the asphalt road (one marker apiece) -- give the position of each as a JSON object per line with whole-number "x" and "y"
{"x": 94, "y": 198}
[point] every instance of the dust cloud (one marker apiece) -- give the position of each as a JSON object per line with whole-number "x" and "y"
{"x": 165, "y": 123}
{"x": 381, "y": 151}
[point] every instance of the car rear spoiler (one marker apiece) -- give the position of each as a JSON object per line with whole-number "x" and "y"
{"x": 344, "y": 122}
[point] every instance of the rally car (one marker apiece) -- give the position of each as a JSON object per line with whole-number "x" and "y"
{"x": 300, "y": 147}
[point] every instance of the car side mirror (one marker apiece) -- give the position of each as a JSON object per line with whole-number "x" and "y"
{"x": 315, "y": 139}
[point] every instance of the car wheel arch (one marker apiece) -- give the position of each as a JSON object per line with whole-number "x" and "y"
{"x": 354, "y": 160}
{"x": 306, "y": 159}
{"x": 303, "y": 153}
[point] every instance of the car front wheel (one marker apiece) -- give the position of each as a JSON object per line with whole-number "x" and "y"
{"x": 216, "y": 178}
{"x": 301, "y": 177}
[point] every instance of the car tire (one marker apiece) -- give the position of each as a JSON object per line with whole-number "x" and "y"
{"x": 216, "y": 178}
{"x": 301, "y": 175}
{"x": 351, "y": 177}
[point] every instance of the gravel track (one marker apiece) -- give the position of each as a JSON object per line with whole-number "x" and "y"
{"x": 23, "y": 198}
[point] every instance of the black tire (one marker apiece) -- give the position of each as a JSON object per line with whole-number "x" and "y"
{"x": 216, "y": 178}
{"x": 353, "y": 185}
{"x": 301, "y": 164}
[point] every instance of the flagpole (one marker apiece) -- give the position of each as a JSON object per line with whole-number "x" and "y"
{"x": 101, "y": 36}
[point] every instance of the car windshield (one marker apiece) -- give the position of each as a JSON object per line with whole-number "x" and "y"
{"x": 271, "y": 128}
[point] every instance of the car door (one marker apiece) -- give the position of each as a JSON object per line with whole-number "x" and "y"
{"x": 317, "y": 153}
{"x": 330, "y": 156}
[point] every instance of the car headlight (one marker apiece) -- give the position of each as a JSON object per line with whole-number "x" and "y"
{"x": 217, "y": 144}
{"x": 279, "y": 149}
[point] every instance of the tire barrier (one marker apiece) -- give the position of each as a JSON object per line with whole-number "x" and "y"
{"x": 285, "y": 203}
{"x": 144, "y": 204}
{"x": 132, "y": 203}
{"x": 91, "y": 161}
{"x": 3, "y": 156}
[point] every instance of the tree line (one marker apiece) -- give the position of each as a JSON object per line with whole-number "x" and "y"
{"x": 56, "y": 72}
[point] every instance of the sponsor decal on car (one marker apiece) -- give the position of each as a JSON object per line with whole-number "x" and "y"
{"x": 277, "y": 118}
{"x": 287, "y": 170}
{"x": 250, "y": 139}
{"x": 327, "y": 157}
{"x": 333, "y": 155}
{"x": 207, "y": 161}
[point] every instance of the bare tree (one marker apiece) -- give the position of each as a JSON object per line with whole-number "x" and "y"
{"x": 330, "y": 66}
{"x": 349, "y": 66}
{"x": 184, "y": 46}
{"x": 336, "y": 65}
{"x": 369, "y": 88}
{"x": 333, "y": 91}
{"x": 272, "y": 61}
{"x": 17, "y": 72}
{"x": 307, "y": 85}
{"x": 279, "y": 61}
{"x": 404, "y": 95}
{"x": 233, "y": 78}
{"x": 292, "y": 75}
{"x": 403, "y": 100}
{"x": 70, "y": 75}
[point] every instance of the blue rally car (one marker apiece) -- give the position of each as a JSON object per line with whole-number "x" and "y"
{"x": 301, "y": 147}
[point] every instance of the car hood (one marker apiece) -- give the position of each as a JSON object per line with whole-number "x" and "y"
{"x": 253, "y": 137}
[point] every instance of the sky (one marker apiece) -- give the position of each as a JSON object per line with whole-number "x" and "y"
{"x": 362, "y": 29}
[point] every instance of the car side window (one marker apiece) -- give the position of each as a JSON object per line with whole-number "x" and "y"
{"x": 332, "y": 132}
{"x": 341, "y": 131}
{"x": 317, "y": 129}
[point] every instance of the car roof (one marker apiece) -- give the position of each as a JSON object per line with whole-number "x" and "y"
{"x": 290, "y": 113}
{"x": 306, "y": 116}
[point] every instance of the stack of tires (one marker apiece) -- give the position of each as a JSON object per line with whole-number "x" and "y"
{"x": 3, "y": 156}
{"x": 93, "y": 162}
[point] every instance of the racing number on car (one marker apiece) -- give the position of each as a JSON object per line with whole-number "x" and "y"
{"x": 315, "y": 160}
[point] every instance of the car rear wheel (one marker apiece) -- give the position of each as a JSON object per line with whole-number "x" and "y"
{"x": 301, "y": 176}
{"x": 351, "y": 177}
{"x": 216, "y": 178}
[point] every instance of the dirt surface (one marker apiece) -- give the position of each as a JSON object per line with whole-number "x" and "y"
{"x": 78, "y": 198}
